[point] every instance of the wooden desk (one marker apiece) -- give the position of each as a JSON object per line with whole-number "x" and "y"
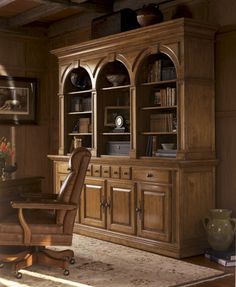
{"x": 10, "y": 189}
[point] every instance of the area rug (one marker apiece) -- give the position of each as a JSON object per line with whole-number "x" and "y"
{"x": 104, "y": 264}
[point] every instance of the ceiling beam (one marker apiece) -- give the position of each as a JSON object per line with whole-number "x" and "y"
{"x": 98, "y": 5}
{"x": 67, "y": 3}
{"x": 54, "y": 6}
{"x": 95, "y": 5}
{"x": 5, "y": 2}
{"x": 35, "y": 14}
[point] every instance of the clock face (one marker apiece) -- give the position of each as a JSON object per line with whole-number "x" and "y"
{"x": 119, "y": 121}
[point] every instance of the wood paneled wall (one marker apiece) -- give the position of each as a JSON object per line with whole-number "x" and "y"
{"x": 28, "y": 57}
{"x": 226, "y": 118}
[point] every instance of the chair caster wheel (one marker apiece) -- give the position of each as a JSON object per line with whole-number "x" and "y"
{"x": 1, "y": 265}
{"x": 72, "y": 261}
{"x": 66, "y": 272}
{"x": 18, "y": 275}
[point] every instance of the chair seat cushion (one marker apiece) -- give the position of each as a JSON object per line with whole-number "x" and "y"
{"x": 42, "y": 222}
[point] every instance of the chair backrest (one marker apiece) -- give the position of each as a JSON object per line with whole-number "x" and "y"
{"x": 72, "y": 186}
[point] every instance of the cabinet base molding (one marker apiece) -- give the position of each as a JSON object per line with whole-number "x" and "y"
{"x": 161, "y": 248}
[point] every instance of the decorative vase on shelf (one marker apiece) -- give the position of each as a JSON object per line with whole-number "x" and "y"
{"x": 149, "y": 14}
{"x": 220, "y": 228}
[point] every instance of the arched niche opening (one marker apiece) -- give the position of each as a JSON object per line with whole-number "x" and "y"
{"x": 157, "y": 101}
{"x": 77, "y": 80}
{"x": 156, "y": 67}
{"x": 113, "y": 74}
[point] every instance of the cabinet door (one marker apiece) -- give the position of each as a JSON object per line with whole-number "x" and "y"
{"x": 120, "y": 207}
{"x": 93, "y": 204}
{"x": 154, "y": 212}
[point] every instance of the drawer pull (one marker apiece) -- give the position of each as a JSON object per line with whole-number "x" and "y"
{"x": 109, "y": 205}
{"x": 105, "y": 171}
{"x": 125, "y": 173}
{"x": 103, "y": 203}
{"x": 115, "y": 172}
{"x": 138, "y": 209}
{"x": 139, "y": 212}
{"x": 149, "y": 175}
{"x": 96, "y": 171}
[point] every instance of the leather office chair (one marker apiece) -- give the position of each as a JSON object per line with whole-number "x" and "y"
{"x": 42, "y": 221}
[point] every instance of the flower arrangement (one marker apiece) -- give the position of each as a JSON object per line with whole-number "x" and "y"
{"x": 6, "y": 150}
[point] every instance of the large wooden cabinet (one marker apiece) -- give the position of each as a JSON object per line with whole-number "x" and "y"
{"x": 143, "y": 102}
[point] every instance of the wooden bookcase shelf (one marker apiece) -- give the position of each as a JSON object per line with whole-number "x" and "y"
{"x": 158, "y": 108}
{"x": 79, "y": 92}
{"x": 116, "y": 88}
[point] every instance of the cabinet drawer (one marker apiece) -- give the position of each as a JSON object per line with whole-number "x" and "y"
{"x": 115, "y": 171}
{"x": 152, "y": 175}
{"x": 63, "y": 168}
{"x": 106, "y": 171}
{"x": 96, "y": 170}
{"x": 89, "y": 170}
{"x": 125, "y": 172}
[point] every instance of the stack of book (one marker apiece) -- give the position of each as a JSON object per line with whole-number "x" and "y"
{"x": 166, "y": 152}
{"x": 225, "y": 258}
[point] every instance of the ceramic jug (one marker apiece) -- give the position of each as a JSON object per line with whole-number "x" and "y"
{"x": 220, "y": 228}
{"x": 149, "y": 14}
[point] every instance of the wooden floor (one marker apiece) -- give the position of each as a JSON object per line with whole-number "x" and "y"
{"x": 228, "y": 281}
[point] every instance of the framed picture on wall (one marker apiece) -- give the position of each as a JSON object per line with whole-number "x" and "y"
{"x": 18, "y": 100}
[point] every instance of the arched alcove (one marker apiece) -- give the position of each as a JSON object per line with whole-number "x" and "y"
{"x": 113, "y": 74}
{"x": 78, "y": 109}
{"x": 157, "y": 106}
{"x": 113, "y": 104}
{"x": 77, "y": 80}
{"x": 156, "y": 67}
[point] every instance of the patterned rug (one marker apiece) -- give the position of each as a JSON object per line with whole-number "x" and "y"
{"x": 104, "y": 264}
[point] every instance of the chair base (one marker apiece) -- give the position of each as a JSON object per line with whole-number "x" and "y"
{"x": 20, "y": 259}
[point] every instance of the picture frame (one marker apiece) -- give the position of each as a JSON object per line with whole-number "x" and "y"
{"x": 18, "y": 98}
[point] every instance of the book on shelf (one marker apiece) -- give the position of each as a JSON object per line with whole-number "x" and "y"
{"x": 84, "y": 125}
{"x": 154, "y": 145}
{"x": 162, "y": 122}
{"x": 168, "y": 96}
{"x": 154, "y": 71}
{"x": 224, "y": 262}
{"x": 149, "y": 146}
{"x": 229, "y": 254}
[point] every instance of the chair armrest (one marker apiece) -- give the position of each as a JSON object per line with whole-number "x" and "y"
{"x": 43, "y": 205}
{"x": 34, "y": 195}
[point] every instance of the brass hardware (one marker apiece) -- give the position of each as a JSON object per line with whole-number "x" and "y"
{"x": 103, "y": 203}
{"x": 108, "y": 205}
{"x": 149, "y": 175}
{"x": 138, "y": 210}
